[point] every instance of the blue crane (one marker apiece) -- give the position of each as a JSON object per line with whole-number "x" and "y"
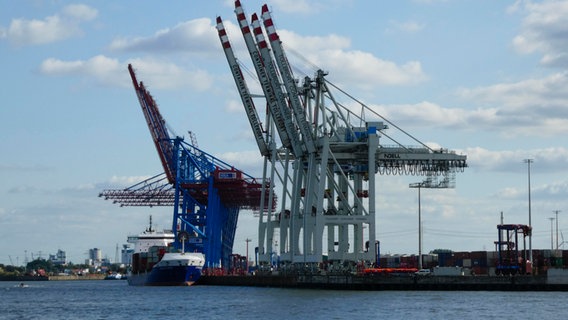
{"x": 206, "y": 193}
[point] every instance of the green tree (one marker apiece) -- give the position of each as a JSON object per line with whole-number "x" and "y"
{"x": 37, "y": 264}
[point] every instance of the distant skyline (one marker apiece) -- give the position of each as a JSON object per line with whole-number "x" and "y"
{"x": 487, "y": 79}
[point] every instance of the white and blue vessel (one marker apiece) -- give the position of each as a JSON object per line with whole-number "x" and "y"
{"x": 155, "y": 262}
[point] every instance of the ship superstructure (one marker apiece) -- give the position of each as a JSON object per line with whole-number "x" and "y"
{"x": 151, "y": 238}
{"x": 155, "y": 262}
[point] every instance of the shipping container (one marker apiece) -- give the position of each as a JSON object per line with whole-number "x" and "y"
{"x": 444, "y": 259}
{"x": 461, "y": 255}
{"x": 477, "y": 270}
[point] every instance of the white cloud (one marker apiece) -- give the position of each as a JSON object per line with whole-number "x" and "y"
{"x": 544, "y": 28}
{"x": 100, "y": 67}
{"x": 80, "y": 12}
{"x": 527, "y": 107}
{"x": 35, "y": 32}
{"x": 111, "y": 72}
{"x": 363, "y": 69}
{"x": 297, "y": 6}
{"x": 509, "y": 110}
{"x": 197, "y": 35}
{"x": 22, "y": 32}
{"x": 249, "y": 162}
{"x": 426, "y": 113}
{"x": 126, "y": 181}
{"x": 552, "y": 159}
{"x": 331, "y": 52}
{"x": 407, "y": 26}
{"x": 548, "y": 192}
{"x": 234, "y": 106}
{"x": 166, "y": 75}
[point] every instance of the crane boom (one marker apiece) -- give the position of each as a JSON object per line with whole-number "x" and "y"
{"x": 151, "y": 192}
{"x": 275, "y": 107}
{"x": 157, "y": 126}
{"x": 288, "y": 79}
{"x": 281, "y": 113}
{"x": 244, "y": 92}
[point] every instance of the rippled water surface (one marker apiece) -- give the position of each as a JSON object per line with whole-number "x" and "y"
{"x": 116, "y": 300}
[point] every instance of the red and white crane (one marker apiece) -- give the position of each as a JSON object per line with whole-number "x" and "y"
{"x": 288, "y": 81}
{"x": 327, "y": 163}
{"x": 244, "y": 92}
{"x": 157, "y": 126}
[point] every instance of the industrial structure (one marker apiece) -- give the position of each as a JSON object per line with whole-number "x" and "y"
{"x": 205, "y": 192}
{"x": 511, "y": 258}
{"x": 324, "y": 156}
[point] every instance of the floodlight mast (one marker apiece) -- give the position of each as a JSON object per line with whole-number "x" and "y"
{"x": 430, "y": 183}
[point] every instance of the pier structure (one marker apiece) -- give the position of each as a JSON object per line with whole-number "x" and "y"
{"x": 322, "y": 156}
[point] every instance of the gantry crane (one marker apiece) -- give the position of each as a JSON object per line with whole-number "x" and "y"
{"x": 325, "y": 157}
{"x": 206, "y": 193}
{"x": 511, "y": 258}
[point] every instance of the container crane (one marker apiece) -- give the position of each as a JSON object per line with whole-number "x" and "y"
{"x": 206, "y": 193}
{"x": 327, "y": 162}
{"x": 511, "y": 258}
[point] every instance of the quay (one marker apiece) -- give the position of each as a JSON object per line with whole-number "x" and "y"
{"x": 53, "y": 278}
{"x": 391, "y": 282}
{"x": 76, "y": 277}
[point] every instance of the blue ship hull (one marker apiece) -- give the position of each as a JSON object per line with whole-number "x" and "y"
{"x": 166, "y": 276}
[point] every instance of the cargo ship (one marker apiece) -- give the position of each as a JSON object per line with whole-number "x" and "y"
{"x": 156, "y": 263}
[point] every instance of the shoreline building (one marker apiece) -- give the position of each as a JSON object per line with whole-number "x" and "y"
{"x": 59, "y": 258}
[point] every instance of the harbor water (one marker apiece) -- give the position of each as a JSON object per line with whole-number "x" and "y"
{"x": 114, "y": 299}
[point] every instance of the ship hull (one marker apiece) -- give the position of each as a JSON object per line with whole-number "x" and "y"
{"x": 166, "y": 276}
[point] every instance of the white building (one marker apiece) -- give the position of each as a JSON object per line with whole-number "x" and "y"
{"x": 59, "y": 258}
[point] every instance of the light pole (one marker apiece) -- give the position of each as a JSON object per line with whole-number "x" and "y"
{"x": 551, "y": 237}
{"x": 419, "y": 185}
{"x": 431, "y": 182}
{"x": 247, "y": 241}
{"x": 528, "y": 162}
{"x": 556, "y": 212}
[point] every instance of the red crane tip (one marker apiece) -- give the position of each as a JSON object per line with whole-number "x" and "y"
{"x": 264, "y": 8}
{"x": 219, "y": 20}
{"x": 254, "y": 17}
{"x": 237, "y": 3}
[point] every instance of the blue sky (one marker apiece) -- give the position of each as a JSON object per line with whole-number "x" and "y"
{"x": 485, "y": 78}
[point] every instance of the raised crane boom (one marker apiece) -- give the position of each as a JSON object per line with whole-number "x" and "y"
{"x": 277, "y": 100}
{"x": 157, "y": 126}
{"x": 244, "y": 92}
{"x": 278, "y": 110}
{"x": 289, "y": 82}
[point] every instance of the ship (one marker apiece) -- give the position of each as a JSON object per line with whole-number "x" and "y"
{"x": 155, "y": 262}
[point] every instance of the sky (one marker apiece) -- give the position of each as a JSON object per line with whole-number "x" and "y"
{"x": 486, "y": 79}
